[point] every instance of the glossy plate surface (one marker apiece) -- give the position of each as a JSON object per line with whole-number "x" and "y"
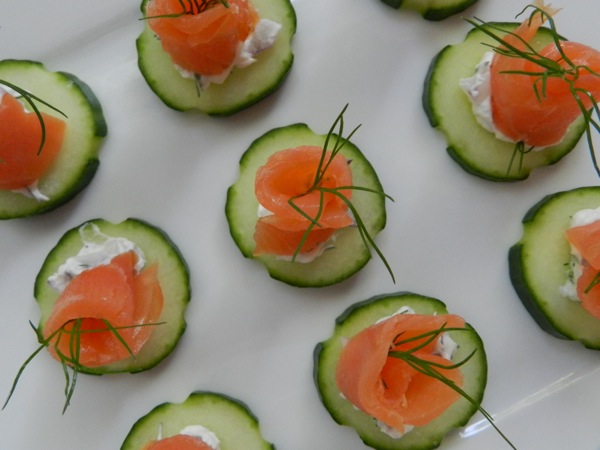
{"x": 249, "y": 336}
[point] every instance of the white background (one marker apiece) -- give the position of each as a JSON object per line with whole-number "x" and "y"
{"x": 249, "y": 336}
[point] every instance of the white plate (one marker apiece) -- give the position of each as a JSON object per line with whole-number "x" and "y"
{"x": 249, "y": 336}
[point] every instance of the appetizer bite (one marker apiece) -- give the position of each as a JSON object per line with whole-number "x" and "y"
{"x": 51, "y": 130}
{"x": 204, "y": 421}
{"x": 433, "y": 9}
{"x": 307, "y": 206}
{"x": 401, "y": 371}
{"x": 513, "y": 97}
{"x": 112, "y": 299}
{"x": 554, "y": 267}
{"x": 217, "y": 56}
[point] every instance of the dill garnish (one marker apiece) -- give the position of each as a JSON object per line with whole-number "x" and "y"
{"x": 338, "y": 143}
{"x": 72, "y": 331}
{"x": 562, "y": 68}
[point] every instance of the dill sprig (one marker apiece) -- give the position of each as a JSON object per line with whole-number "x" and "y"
{"x": 31, "y": 99}
{"x": 433, "y": 369}
{"x": 190, "y": 8}
{"x": 70, "y": 360}
{"x": 324, "y": 162}
{"x": 563, "y": 68}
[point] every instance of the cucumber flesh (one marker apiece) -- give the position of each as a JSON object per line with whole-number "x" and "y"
{"x": 448, "y": 109}
{"x": 86, "y": 129}
{"x": 360, "y": 316}
{"x": 173, "y": 277}
{"x": 241, "y": 89}
{"x": 538, "y": 266}
{"x": 349, "y": 254}
{"x": 229, "y": 419}
{"x": 433, "y": 10}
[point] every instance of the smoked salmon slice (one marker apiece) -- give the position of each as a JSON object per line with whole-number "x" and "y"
{"x": 387, "y": 388}
{"x": 204, "y": 39}
{"x": 541, "y": 119}
{"x": 21, "y": 161}
{"x": 112, "y": 293}
{"x": 291, "y": 174}
{"x": 178, "y": 442}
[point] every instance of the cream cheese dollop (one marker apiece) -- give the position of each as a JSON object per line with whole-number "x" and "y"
{"x": 478, "y": 90}
{"x": 98, "y": 249}
{"x": 32, "y": 191}
{"x": 204, "y": 434}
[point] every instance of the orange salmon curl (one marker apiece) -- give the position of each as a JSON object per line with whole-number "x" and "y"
{"x": 113, "y": 293}
{"x": 22, "y": 163}
{"x": 290, "y": 174}
{"x": 389, "y": 389}
{"x": 204, "y": 39}
{"x": 541, "y": 119}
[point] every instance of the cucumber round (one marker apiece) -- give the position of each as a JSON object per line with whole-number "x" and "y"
{"x": 86, "y": 129}
{"x": 173, "y": 277}
{"x": 229, "y": 419}
{"x": 539, "y": 262}
{"x": 349, "y": 254}
{"x": 433, "y": 10}
{"x": 241, "y": 89}
{"x": 364, "y": 314}
{"x": 448, "y": 109}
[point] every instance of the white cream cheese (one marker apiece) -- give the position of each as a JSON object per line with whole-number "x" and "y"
{"x": 263, "y": 37}
{"x": 403, "y": 310}
{"x": 98, "y": 249}
{"x": 392, "y": 432}
{"x": 580, "y": 218}
{"x": 445, "y": 346}
{"x": 32, "y": 191}
{"x": 4, "y": 89}
{"x": 198, "y": 431}
{"x": 478, "y": 90}
{"x": 204, "y": 434}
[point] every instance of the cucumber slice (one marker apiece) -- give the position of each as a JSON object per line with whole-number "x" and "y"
{"x": 173, "y": 276}
{"x": 86, "y": 129}
{"x": 433, "y": 10}
{"x": 362, "y": 315}
{"x": 243, "y": 87}
{"x": 229, "y": 419}
{"x": 448, "y": 109}
{"x": 538, "y": 266}
{"x": 349, "y": 254}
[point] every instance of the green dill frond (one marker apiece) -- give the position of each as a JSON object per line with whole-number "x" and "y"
{"x": 339, "y": 141}
{"x": 434, "y": 369}
{"x": 547, "y": 68}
